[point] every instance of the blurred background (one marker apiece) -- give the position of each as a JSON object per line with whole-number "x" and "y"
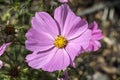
{"x": 104, "y": 64}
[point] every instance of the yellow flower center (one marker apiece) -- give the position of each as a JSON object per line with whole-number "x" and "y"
{"x": 60, "y": 42}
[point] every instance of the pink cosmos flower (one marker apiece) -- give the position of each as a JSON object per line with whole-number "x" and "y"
{"x": 63, "y": 1}
{"x": 96, "y": 36}
{"x": 2, "y": 49}
{"x": 56, "y": 42}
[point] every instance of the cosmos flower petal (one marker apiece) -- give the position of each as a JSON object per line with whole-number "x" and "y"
{"x": 98, "y": 44}
{"x": 38, "y": 41}
{"x": 1, "y": 64}
{"x": 76, "y": 28}
{"x": 44, "y": 22}
{"x": 71, "y": 21}
{"x": 59, "y": 61}
{"x": 61, "y": 14}
{"x": 97, "y": 34}
{"x": 94, "y": 46}
{"x": 3, "y": 47}
{"x": 93, "y": 26}
{"x": 73, "y": 50}
{"x": 38, "y": 60}
{"x": 83, "y": 40}
{"x": 71, "y": 25}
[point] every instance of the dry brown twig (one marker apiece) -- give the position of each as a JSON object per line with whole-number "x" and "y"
{"x": 98, "y": 7}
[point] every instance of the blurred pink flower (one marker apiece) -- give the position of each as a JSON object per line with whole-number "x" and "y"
{"x": 2, "y": 49}
{"x": 65, "y": 73}
{"x": 56, "y": 42}
{"x": 96, "y": 36}
{"x": 63, "y": 1}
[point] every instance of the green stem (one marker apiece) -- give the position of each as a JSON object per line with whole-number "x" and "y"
{"x": 59, "y": 73}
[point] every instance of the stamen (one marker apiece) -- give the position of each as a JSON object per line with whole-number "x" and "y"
{"x": 60, "y": 42}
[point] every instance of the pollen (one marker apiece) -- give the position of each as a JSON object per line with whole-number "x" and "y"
{"x": 60, "y": 42}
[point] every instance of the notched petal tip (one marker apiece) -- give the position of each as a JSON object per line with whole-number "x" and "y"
{"x": 93, "y": 26}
